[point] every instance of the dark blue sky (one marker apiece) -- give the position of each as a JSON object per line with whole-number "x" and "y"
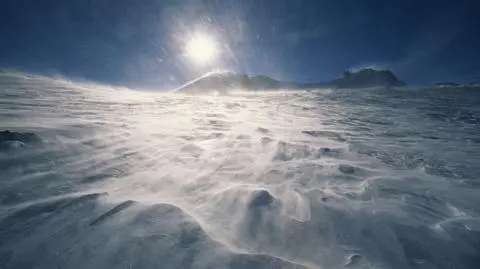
{"x": 137, "y": 43}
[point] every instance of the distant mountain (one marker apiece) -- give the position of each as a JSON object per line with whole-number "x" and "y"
{"x": 458, "y": 85}
{"x": 367, "y": 78}
{"x": 227, "y": 81}
{"x": 224, "y": 82}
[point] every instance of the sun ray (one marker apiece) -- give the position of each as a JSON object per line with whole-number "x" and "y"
{"x": 202, "y": 49}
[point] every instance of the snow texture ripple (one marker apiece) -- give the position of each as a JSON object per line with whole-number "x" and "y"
{"x": 323, "y": 179}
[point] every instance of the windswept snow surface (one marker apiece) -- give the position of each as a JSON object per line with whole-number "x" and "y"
{"x": 324, "y": 179}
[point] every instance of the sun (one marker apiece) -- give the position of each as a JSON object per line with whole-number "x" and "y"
{"x": 201, "y": 49}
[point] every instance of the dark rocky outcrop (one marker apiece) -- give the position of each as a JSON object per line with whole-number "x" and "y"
{"x": 261, "y": 198}
{"x": 25, "y": 138}
{"x": 367, "y": 78}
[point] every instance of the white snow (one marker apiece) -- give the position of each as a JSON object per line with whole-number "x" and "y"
{"x": 127, "y": 179}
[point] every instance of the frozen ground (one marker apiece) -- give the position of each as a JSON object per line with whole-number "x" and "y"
{"x": 324, "y": 179}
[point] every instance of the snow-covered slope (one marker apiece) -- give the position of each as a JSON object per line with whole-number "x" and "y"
{"x": 322, "y": 179}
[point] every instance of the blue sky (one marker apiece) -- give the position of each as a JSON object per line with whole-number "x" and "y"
{"x": 138, "y": 43}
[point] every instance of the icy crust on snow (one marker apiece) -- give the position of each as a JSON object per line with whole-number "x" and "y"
{"x": 82, "y": 232}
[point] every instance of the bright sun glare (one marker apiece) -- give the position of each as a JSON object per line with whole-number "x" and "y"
{"x": 202, "y": 49}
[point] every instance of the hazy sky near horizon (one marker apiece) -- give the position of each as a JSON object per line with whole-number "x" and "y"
{"x": 140, "y": 43}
